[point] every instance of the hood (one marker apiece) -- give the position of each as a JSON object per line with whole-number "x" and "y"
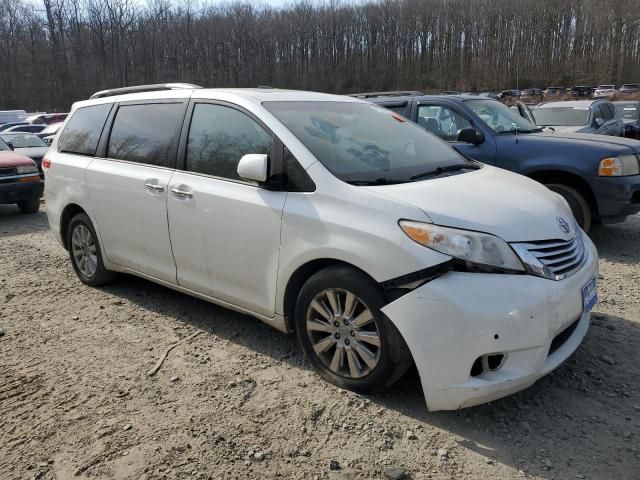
{"x": 587, "y": 144}
{"x": 35, "y": 153}
{"x": 490, "y": 200}
{"x": 11, "y": 159}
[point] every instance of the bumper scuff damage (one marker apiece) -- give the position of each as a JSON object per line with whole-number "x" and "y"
{"x": 457, "y": 318}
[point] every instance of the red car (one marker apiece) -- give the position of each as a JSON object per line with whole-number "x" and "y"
{"x": 20, "y": 181}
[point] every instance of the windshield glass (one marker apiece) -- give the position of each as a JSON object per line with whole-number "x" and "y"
{"x": 3, "y": 146}
{"x": 605, "y": 87}
{"x": 627, "y": 110}
{"x": 500, "y": 118}
{"x": 361, "y": 142}
{"x": 24, "y": 140}
{"x": 561, "y": 116}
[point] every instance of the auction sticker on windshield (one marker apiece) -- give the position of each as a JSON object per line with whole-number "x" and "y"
{"x": 589, "y": 295}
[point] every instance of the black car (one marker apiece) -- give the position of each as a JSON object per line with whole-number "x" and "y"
{"x": 629, "y": 113}
{"x": 580, "y": 91}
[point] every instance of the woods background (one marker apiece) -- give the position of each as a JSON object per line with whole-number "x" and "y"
{"x": 54, "y": 52}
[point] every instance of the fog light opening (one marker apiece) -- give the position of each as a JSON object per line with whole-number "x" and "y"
{"x": 487, "y": 363}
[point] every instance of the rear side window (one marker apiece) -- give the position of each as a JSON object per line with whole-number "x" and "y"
{"x": 218, "y": 138}
{"x": 145, "y": 133}
{"x": 82, "y": 132}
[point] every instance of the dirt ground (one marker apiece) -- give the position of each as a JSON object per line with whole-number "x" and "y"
{"x": 238, "y": 401}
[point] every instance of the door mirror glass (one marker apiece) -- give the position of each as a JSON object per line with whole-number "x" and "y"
{"x": 599, "y": 122}
{"x": 254, "y": 167}
{"x": 470, "y": 135}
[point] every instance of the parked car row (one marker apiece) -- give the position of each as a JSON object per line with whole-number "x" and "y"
{"x": 378, "y": 243}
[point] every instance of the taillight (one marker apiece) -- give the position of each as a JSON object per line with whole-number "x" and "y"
{"x": 46, "y": 163}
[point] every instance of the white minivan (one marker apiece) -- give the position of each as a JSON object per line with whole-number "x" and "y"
{"x": 373, "y": 240}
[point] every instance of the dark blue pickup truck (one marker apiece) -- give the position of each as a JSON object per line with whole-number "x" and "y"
{"x": 598, "y": 176}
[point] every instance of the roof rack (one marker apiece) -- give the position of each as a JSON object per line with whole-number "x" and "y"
{"x": 143, "y": 88}
{"x": 398, "y": 93}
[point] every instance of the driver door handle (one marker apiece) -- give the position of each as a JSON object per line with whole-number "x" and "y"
{"x": 154, "y": 187}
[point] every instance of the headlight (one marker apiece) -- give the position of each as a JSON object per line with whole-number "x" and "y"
{"x": 622, "y": 166}
{"x": 27, "y": 169}
{"x": 475, "y": 247}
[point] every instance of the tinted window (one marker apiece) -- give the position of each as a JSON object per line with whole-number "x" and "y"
{"x": 400, "y": 108}
{"x": 218, "y": 138}
{"x": 145, "y": 133}
{"x": 83, "y": 131}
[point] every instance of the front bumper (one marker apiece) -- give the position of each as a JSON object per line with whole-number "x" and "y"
{"x": 617, "y": 196}
{"x": 450, "y": 322}
{"x": 16, "y": 192}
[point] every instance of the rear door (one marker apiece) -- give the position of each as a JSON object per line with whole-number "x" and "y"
{"x": 128, "y": 185}
{"x": 225, "y": 231}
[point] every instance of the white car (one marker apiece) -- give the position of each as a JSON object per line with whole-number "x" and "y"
{"x": 373, "y": 240}
{"x": 605, "y": 91}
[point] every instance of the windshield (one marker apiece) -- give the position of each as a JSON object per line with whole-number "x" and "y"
{"x": 500, "y": 118}
{"x": 627, "y": 110}
{"x": 605, "y": 87}
{"x": 361, "y": 142}
{"x": 24, "y": 140}
{"x": 3, "y": 146}
{"x": 561, "y": 116}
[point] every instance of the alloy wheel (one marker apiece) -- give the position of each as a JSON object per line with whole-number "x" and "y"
{"x": 343, "y": 333}
{"x": 83, "y": 248}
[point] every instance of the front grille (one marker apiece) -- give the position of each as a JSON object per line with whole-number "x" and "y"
{"x": 555, "y": 259}
{"x": 5, "y": 172}
{"x": 563, "y": 336}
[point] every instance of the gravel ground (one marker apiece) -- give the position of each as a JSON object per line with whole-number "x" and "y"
{"x": 239, "y": 401}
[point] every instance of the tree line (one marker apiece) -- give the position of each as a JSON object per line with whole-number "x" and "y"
{"x": 54, "y": 52}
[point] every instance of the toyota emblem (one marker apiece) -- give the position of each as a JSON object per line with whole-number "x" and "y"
{"x": 564, "y": 225}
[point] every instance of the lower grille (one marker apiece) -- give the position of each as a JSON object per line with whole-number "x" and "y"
{"x": 563, "y": 336}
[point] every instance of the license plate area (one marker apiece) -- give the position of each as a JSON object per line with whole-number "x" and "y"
{"x": 589, "y": 295}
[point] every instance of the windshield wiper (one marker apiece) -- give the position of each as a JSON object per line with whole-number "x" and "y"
{"x": 377, "y": 181}
{"x": 449, "y": 168}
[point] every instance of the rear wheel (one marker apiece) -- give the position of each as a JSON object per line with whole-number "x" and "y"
{"x": 578, "y": 204}
{"x": 85, "y": 254}
{"x": 29, "y": 206}
{"x": 344, "y": 334}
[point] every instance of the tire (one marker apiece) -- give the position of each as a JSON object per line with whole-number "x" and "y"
{"x": 579, "y": 206}
{"x": 29, "y": 206}
{"x": 91, "y": 271}
{"x": 391, "y": 358}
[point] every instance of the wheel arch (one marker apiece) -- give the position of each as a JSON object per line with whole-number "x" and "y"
{"x": 68, "y": 213}
{"x": 569, "y": 179}
{"x": 298, "y": 279}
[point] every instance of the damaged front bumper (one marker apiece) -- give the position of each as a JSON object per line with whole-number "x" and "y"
{"x": 476, "y": 337}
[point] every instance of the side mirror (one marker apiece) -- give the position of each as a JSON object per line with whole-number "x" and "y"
{"x": 599, "y": 122}
{"x": 470, "y": 135}
{"x": 254, "y": 167}
{"x": 10, "y": 145}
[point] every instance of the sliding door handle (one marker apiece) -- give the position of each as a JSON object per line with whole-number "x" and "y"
{"x": 181, "y": 193}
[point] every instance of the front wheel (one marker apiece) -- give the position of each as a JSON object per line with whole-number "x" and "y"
{"x": 344, "y": 334}
{"x": 579, "y": 206}
{"x": 85, "y": 253}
